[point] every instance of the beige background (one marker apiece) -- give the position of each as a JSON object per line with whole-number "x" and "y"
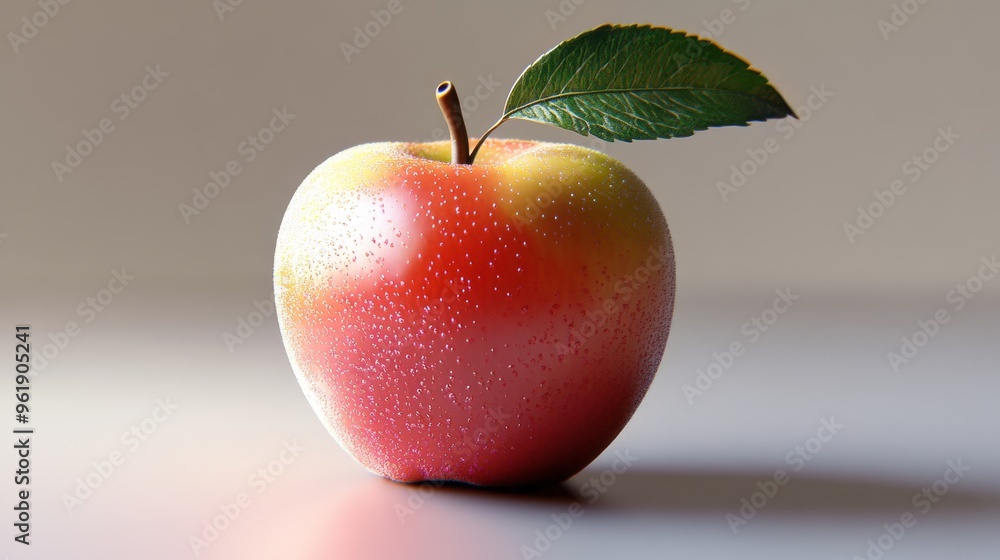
{"x": 165, "y": 334}
{"x": 784, "y": 226}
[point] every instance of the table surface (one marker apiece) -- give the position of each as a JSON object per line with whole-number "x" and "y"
{"x": 823, "y": 361}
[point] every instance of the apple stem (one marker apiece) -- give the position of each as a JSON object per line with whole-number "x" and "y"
{"x": 451, "y": 108}
{"x": 479, "y": 144}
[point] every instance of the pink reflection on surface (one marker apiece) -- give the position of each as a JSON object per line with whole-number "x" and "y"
{"x": 369, "y": 517}
{"x": 382, "y": 519}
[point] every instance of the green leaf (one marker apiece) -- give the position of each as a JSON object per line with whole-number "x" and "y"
{"x": 638, "y": 82}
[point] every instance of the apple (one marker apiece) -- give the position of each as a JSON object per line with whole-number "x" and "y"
{"x": 495, "y": 324}
{"x": 495, "y": 316}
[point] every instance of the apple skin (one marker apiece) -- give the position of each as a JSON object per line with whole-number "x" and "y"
{"x": 495, "y": 324}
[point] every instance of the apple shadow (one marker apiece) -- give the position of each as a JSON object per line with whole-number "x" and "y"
{"x": 550, "y": 494}
{"x": 680, "y": 492}
{"x": 376, "y": 518}
{"x": 715, "y": 491}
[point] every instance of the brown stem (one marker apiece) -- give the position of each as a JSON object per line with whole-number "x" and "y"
{"x": 451, "y": 108}
{"x": 479, "y": 143}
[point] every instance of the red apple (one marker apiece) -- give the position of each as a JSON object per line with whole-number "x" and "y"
{"x": 495, "y": 324}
